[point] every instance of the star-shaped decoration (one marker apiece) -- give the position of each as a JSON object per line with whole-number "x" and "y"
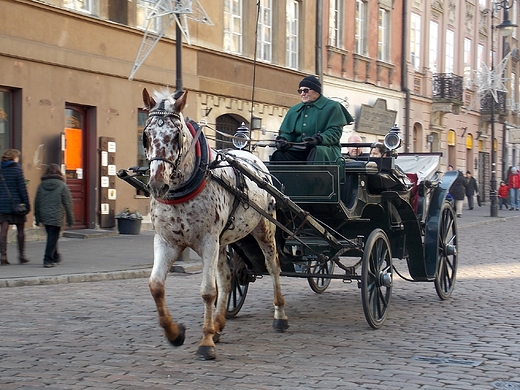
{"x": 492, "y": 80}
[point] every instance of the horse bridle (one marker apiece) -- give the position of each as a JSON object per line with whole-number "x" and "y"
{"x": 162, "y": 114}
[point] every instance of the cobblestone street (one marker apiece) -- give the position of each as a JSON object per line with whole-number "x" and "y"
{"x": 105, "y": 335}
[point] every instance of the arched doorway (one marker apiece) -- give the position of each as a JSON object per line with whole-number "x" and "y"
{"x": 452, "y": 148}
{"x": 227, "y": 124}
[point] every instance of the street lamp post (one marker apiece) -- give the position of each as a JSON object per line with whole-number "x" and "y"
{"x": 506, "y": 28}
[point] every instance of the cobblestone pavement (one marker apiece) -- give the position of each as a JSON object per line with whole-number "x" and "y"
{"x": 105, "y": 335}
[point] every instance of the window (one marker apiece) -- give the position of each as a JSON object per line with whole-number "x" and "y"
{"x": 480, "y": 53}
{"x": 467, "y": 62}
{"x": 233, "y": 26}
{"x": 361, "y": 27}
{"x": 265, "y": 31}
{"x": 434, "y": 46}
{"x": 80, "y": 5}
{"x": 144, "y": 8}
{"x": 336, "y": 23}
{"x": 383, "y": 41}
{"x": 6, "y": 120}
{"x": 118, "y": 11}
{"x": 415, "y": 41}
{"x": 450, "y": 51}
{"x": 293, "y": 9}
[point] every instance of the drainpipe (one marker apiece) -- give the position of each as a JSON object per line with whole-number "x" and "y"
{"x": 404, "y": 77}
{"x": 319, "y": 40}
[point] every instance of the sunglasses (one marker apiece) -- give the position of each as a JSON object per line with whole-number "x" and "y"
{"x": 303, "y": 90}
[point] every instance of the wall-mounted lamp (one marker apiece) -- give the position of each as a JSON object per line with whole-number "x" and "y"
{"x": 256, "y": 123}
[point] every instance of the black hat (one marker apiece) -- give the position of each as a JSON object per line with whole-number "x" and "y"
{"x": 311, "y": 82}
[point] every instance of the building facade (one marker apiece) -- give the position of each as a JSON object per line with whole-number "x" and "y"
{"x": 66, "y": 97}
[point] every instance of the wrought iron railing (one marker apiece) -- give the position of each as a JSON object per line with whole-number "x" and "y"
{"x": 487, "y": 100}
{"x": 448, "y": 86}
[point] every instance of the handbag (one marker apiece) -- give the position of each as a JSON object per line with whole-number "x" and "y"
{"x": 19, "y": 208}
{"x": 478, "y": 201}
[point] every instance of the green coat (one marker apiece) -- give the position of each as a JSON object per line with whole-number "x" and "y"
{"x": 324, "y": 117}
{"x": 53, "y": 202}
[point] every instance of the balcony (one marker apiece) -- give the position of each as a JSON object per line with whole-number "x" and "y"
{"x": 447, "y": 92}
{"x": 500, "y": 107}
{"x": 447, "y": 88}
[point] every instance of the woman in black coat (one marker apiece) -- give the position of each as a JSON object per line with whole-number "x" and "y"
{"x": 458, "y": 191}
{"x": 12, "y": 191}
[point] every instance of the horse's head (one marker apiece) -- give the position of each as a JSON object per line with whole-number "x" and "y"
{"x": 164, "y": 140}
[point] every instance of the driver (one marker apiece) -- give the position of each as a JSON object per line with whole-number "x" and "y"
{"x": 317, "y": 122}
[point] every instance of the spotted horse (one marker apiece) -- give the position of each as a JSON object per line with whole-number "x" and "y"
{"x": 192, "y": 207}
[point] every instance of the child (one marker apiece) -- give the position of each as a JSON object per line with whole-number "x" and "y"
{"x": 503, "y": 194}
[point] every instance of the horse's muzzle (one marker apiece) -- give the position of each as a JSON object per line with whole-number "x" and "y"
{"x": 158, "y": 188}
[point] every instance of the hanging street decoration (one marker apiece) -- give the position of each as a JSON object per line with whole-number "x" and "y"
{"x": 162, "y": 15}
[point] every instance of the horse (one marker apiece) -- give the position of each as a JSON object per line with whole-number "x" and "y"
{"x": 190, "y": 208}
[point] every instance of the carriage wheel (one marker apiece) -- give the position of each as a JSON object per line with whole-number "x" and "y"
{"x": 239, "y": 283}
{"x": 446, "y": 253}
{"x": 320, "y": 284}
{"x": 376, "y": 278}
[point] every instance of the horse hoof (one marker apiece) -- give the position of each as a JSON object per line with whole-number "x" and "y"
{"x": 280, "y": 325}
{"x": 216, "y": 337}
{"x": 206, "y": 353}
{"x": 180, "y": 338}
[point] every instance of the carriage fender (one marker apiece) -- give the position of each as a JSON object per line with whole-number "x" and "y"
{"x": 433, "y": 222}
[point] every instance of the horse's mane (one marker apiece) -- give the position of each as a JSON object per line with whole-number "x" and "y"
{"x": 163, "y": 94}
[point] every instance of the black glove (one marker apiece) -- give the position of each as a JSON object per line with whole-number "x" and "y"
{"x": 312, "y": 141}
{"x": 282, "y": 144}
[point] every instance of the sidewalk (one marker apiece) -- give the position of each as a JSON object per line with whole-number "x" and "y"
{"x": 105, "y": 255}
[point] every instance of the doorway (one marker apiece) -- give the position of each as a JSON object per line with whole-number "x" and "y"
{"x": 76, "y": 146}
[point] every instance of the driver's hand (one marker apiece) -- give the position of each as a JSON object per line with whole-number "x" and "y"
{"x": 282, "y": 144}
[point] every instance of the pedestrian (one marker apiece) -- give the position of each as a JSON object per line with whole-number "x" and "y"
{"x": 514, "y": 186}
{"x": 317, "y": 123}
{"x": 471, "y": 189}
{"x": 450, "y": 168}
{"x": 13, "y": 191}
{"x": 458, "y": 191}
{"x": 503, "y": 194}
{"x": 52, "y": 205}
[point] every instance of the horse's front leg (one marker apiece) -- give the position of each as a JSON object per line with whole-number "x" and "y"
{"x": 208, "y": 292}
{"x": 163, "y": 257}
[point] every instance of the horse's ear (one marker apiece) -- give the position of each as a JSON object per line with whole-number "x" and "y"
{"x": 180, "y": 103}
{"x": 148, "y": 101}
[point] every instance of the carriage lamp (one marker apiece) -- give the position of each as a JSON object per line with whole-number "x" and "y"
{"x": 393, "y": 138}
{"x": 241, "y": 138}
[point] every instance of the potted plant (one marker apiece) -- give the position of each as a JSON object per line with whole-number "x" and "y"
{"x": 129, "y": 221}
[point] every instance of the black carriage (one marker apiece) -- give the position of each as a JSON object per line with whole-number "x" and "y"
{"x": 350, "y": 220}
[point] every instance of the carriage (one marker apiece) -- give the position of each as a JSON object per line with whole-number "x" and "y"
{"x": 348, "y": 220}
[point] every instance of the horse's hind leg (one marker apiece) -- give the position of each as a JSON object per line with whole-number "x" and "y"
{"x": 163, "y": 256}
{"x": 223, "y": 288}
{"x": 264, "y": 234}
